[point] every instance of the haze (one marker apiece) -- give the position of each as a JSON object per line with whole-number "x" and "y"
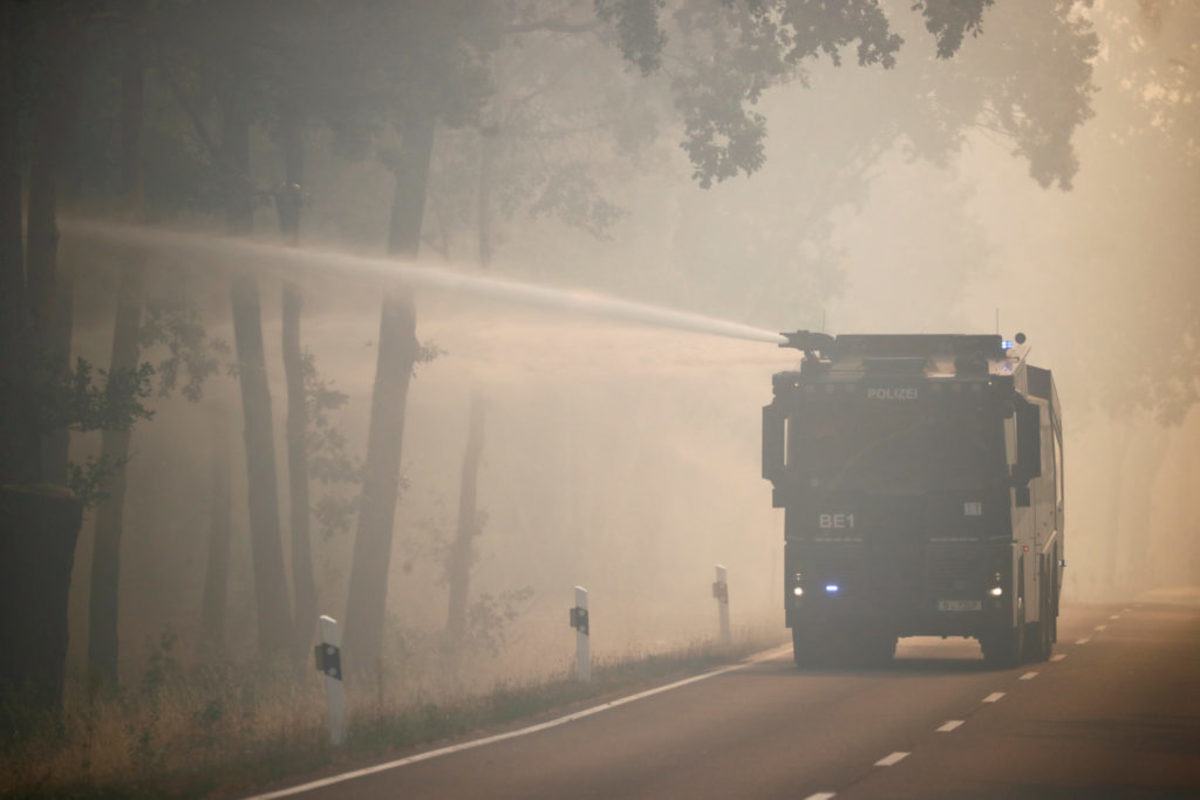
{"x": 941, "y": 195}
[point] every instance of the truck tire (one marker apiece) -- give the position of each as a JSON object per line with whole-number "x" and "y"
{"x": 876, "y": 650}
{"x": 1046, "y": 632}
{"x": 1005, "y": 648}
{"x": 1040, "y": 638}
{"x": 805, "y": 648}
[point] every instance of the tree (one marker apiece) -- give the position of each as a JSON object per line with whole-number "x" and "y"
{"x": 461, "y": 558}
{"x": 42, "y": 395}
{"x": 103, "y": 641}
{"x": 223, "y": 47}
{"x": 52, "y": 284}
{"x": 439, "y": 77}
{"x": 289, "y": 200}
{"x": 216, "y": 570}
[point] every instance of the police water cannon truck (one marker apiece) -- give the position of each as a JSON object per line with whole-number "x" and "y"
{"x": 921, "y": 478}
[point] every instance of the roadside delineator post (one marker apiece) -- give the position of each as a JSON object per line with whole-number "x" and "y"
{"x": 329, "y": 660}
{"x": 720, "y": 589}
{"x": 579, "y": 621}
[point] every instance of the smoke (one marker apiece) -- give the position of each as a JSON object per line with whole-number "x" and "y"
{"x": 626, "y": 457}
{"x": 621, "y": 457}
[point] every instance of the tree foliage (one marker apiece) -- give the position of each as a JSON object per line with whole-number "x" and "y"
{"x": 179, "y": 328}
{"x": 721, "y": 56}
{"x": 951, "y": 20}
{"x": 86, "y": 399}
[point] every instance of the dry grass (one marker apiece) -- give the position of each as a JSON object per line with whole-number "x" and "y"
{"x": 221, "y": 731}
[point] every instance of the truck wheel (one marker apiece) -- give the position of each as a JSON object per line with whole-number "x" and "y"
{"x": 804, "y": 649}
{"x": 1046, "y": 626}
{"x": 1047, "y": 648}
{"x": 1005, "y": 649}
{"x": 1035, "y": 644}
{"x": 1040, "y": 639}
{"x": 880, "y": 650}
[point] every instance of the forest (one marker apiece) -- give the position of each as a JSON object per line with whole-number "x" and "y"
{"x": 225, "y": 414}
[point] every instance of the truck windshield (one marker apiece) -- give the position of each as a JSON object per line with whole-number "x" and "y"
{"x": 845, "y": 443}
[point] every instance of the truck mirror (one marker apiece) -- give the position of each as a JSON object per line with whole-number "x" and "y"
{"x": 1029, "y": 443}
{"x": 774, "y": 440}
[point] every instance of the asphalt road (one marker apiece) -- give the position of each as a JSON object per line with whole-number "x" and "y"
{"x": 1115, "y": 715}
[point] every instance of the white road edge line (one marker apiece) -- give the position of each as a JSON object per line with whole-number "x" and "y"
{"x": 1084, "y": 640}
{"x": 500, "y": 737}
{"x": 1058, "y": 656}
{"x": 994, "y": 697}
{"x": 1028, "y": 676}
{"x": 949, "y": 725}
{"x": 889, "y": 760}
{"x": 822, "y": 796}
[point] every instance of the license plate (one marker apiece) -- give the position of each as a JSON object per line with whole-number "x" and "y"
{"x": 959, "y": 605}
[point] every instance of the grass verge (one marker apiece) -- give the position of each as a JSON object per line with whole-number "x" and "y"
{"x": 210, "y": 737}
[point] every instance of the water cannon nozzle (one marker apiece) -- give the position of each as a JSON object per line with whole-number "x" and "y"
{"x": 807, "y": 341}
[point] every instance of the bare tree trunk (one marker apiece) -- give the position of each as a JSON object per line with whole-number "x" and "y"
{"x": 487, "y": 155}
{"x": 270, "y": 586}
{"x": 289, "y": 200}
{"x": 270, "y": 581}
{"x": 373, "y": 540}
{"x": 289, "y": 203}
{"x": 39, "y": 527}
{"x": 398, "y": 351}
{"x": 103, "y": 605}
{"x": 216, "y": 574}
{"x": 458, "y": 568}
{"x": 303, "y": 584}
{"x": 20, "y": 457}
{"x": 51, "y": 288}
{"x": 461, "y": 558}
{"x": 412, "y": 179}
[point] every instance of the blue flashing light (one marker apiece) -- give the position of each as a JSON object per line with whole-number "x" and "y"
{"x": 1007, "y": 344}
{"x": 831, "y": 588}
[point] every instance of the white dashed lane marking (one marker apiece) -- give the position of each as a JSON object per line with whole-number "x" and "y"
{"x": 1101, "y": 627}
{"x": 1115, "y": 616}
{"x": 889, "y": 760}
{"x": 953, "y": 724}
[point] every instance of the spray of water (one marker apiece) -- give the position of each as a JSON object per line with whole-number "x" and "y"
{"x": 266, "y": 255}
